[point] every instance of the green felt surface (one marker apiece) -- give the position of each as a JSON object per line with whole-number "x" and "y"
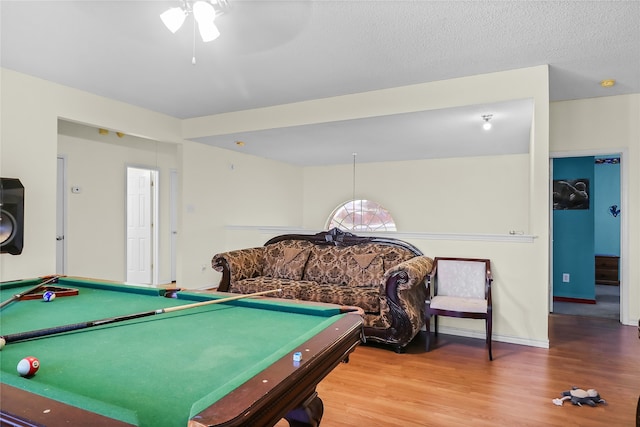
{"x": 149, "y": 371}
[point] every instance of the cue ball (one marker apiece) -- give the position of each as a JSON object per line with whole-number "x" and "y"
{"x": 28, "y": 366}
{"x": 49, "y": 296}
{"x": 2, "y": 343}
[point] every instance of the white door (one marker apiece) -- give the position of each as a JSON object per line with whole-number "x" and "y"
{"x": 61, "y": 198}
{"x": 139, "y": 225}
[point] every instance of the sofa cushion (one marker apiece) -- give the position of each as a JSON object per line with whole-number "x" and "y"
{"x": 392, "y": 255}
{"x": 352, "y": 265}
{"x": 291, "y": 289}
{"x": 367, "y": 298}
{"x": 364, "y": 269}
{"x": 326, "y": 265}
{"x": 285, "y": 262}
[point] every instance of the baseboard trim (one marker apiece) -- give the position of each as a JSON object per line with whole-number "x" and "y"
{"x": 577, "y": 300}
{"x": 448, "y": 330}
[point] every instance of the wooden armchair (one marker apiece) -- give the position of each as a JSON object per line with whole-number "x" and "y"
{"x": 461, "y": 288}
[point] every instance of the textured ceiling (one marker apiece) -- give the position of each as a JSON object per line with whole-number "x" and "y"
{"x": 277, "y": 52}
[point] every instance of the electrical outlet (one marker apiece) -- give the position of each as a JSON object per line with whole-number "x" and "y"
{"x": 566, "y": 277}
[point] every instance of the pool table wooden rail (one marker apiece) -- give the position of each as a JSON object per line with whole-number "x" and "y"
{"x": 23, "y": 409}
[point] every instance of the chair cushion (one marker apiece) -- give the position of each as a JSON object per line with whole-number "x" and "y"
{"x": 470, "y": 305}
{"x": 461, "y": 278}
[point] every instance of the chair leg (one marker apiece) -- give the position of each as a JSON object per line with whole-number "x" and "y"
{"x": 489, "y": 327}
{"x": 427, "y": 327}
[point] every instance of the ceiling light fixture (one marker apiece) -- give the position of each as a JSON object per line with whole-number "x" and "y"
{"x": 487, "y": 124}
{"x": 607, "y": 83}
{"x": 204, "y": 14}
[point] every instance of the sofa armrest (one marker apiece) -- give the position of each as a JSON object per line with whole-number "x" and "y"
{"x": 405, "y": 293}
{"x": 416, "y": 270}
{"x": 237, "y": 265}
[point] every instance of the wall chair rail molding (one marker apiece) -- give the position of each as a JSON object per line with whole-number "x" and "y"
{"x": 514, "y": 237}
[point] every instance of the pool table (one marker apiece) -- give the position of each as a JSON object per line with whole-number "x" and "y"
{"x": 228, "y": 364}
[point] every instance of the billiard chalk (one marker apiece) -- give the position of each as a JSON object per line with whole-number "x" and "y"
{"x": 297, "y": 356}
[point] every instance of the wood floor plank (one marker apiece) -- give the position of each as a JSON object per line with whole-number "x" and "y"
{"x": 455, "y": 384}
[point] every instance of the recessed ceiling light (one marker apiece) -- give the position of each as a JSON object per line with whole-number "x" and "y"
{"x": 240, "y": 143}
{"x": 487, "y": 124}
{"x": 607, "y": 83}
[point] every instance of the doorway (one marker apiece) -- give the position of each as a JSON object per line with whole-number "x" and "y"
{"x": 142, "y": 220}
{"x": 582, "y": 234}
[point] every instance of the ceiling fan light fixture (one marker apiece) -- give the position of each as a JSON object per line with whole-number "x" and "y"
{"x": 203, "y": 11}
{"x": 173, "y": 18}
{"x": 208, "y": 31}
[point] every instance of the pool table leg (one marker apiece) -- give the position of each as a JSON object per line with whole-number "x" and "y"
{"x": 308, "y": 414}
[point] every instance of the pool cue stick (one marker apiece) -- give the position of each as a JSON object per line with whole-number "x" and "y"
{"x": 16, "y": 297}
{"x": 22, "y": 336}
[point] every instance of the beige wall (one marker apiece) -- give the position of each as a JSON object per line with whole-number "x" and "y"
{"x": 28, "y": 147}
{"x": 440, "y": 206}
{"x": 30, "y": 110}
{"x": 220, "y": 189}
{"x": 603, "y": 126}
{"x": 97, "y": 164}
{"x": 406, "y": 188}
{"x": 486, "y": 195}
{"x": 217, "y": 188}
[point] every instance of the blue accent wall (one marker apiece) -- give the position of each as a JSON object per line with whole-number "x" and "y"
{"x": 573, "y": 235}
{"x": 606, "y": 196}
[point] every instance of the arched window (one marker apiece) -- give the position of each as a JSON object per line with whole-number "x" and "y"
{"x": 361, "y": 215}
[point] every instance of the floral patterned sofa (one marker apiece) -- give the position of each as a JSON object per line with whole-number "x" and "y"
{"x": 384, "y": 277}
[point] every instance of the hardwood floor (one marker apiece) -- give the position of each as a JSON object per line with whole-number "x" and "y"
{"x": 456, "y": 385}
